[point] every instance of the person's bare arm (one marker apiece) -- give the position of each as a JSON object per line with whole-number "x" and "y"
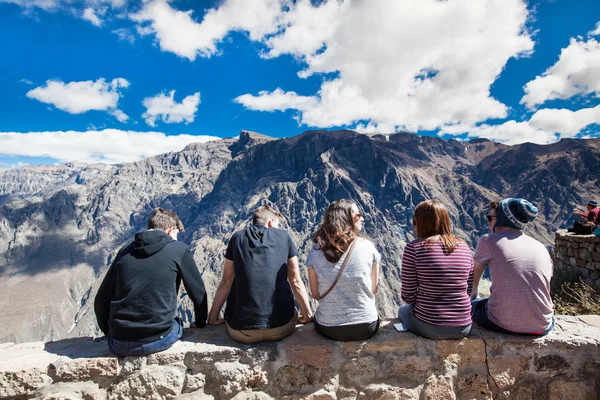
{"x": 313, "y": 281}
{"x": 477, "y": 273}
{"x": 222, "y": 293}
{"x": 299, "y": 290}
{"x": 375, "y": 278}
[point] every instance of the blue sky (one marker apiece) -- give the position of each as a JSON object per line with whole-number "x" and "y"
{"x": 119, "y": 80}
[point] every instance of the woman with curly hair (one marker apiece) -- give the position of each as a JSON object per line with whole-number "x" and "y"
{"x": 343, "y": 271}
{"x": 437, "y": 277}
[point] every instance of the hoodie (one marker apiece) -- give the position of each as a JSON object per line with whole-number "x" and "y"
{"x": 137, "y": 299}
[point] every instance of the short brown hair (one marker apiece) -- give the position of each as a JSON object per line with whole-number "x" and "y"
{"x": 263, "y": 214}
{"x": 164, "y": 219}
{"x": 432, "y": 219}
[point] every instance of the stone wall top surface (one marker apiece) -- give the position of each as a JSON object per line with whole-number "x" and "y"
{"x": 570, "y": 236}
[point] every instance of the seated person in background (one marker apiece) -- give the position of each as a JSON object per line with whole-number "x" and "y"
{"x": 259, "y": 261}
{"x": 135, "y": 304}
{"x": 348, "y": 265}
{"x": 592, "y": 212}
{"x": 437, "y": 277}
{"x": 520, "y": 269}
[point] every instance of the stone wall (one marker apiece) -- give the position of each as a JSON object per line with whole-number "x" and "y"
{"x": 206, "y": 364}
{"x": 577, "y": 256}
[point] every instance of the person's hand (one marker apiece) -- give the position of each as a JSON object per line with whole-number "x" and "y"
{"x": 305, "y": 319}
{"x": 215, "y": 321}
{"x": 474, "y": 295}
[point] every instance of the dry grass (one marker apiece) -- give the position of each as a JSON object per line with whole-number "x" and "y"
{"x": 576, "y": 298}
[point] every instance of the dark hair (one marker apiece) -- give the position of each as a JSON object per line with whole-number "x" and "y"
{"x": 164, "y": 219}
{"x": 494, "y": 205}
{"x": 263, "y": 214}
{"x": 336, "y": 232}
{"x": 432, "y": 219}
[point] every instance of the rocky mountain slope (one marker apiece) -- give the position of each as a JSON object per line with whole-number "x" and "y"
{"x": 61, "y": 226}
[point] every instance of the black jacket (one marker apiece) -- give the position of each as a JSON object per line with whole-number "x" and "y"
{"x": 138, "y": 297}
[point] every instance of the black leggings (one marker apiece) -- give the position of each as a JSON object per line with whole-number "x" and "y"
{"x": 348, "y": 332}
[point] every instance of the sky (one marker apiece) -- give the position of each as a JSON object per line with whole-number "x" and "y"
{"x": 116, "y": 81}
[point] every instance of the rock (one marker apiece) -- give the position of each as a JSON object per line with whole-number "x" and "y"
{"x": 249, "y": 395}
{"x": 569, "y": 390}
{"x": 234, "y": 377}
{"x": 72, "y": 391}
{"x": 152, "y": 382}
{"x": 473, "y": 387}
{"x": 439, "y": 388}
{"x": 132, "y": 364}
{"x": 387, "y": 392}
{"x": 21, "y": 383}
{"x": 193, "y": 382}
{"x": 66, "y": 369}
{"x": 553, "y": 363}
{"x": 505, "y": 370}
{"x": 466, "y": 352}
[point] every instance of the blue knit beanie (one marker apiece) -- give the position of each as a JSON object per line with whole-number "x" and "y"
{"x": 515, "y": 213}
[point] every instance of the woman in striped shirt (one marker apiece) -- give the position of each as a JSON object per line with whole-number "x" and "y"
{"x": 437, "y": 277}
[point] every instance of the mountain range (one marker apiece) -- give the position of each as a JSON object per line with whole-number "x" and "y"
{"x": 60, "y": 226}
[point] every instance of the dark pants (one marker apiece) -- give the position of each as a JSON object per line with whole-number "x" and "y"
{"x": 345, "y": 333}
{"x": 123, "y": 348}
{"x": 479, "y": 313}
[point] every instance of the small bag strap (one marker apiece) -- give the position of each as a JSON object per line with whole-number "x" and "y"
{"x": 339, "y": 275}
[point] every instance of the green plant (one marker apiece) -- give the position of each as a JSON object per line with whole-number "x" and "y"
{"x": 577, "y": 298}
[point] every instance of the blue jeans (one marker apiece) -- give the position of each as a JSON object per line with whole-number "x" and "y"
{"x": 479, "y": 313}
{"x": 123, "y": 348}
{"x": 429, "y": 331}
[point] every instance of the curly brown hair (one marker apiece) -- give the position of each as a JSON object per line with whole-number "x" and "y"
{"x": 336, "y": 232}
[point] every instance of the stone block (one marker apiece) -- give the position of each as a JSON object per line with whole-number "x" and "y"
{"x": 560, "y": 389}
{"x": 438, "y": 388}
{"x": 305, "y": 354}
{"x": 291, "y": 378}
{"x": 388, "y": 392}
{"x": 193, "y": 382}
{"x": 585, "y": 254}
{"x": 360, "y": 370}
{"x": 581, "y": 263}
{"x": 166, "y": 358}
{"x": 22, "y": 383}
{"x": 72, "y": 391}
{"x": 129, "y": 365}
{"x": 467, "y": 351}
{"x": 321, "y": 394}
{"x": 570, "y": 252}
{"x": 152, "y": 382}
{"x": 79, "y": 369}
{"x": 416, "y": 368}
{"x": 390, "y": 341}
{"x": 552, "y": 363}
{"x": 573, "y": 262}
{"x": 233, "y": 377}
{"x": 473, "y": 387}
{"x": 506, "y": 370}
{"x": 249, "y": 395}
{"x": 346, "y": 394}
{"x": 592, "y": 320}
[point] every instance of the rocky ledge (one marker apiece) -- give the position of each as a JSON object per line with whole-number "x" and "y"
{"x": 207, "y": 364}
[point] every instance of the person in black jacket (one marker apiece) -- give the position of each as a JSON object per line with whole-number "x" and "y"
{"x": 135, "y": 304}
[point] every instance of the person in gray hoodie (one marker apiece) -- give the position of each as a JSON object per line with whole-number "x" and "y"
{"x": 136, "y": 302}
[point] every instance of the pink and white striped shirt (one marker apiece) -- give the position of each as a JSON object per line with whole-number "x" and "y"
{"x": 438, "y": 284}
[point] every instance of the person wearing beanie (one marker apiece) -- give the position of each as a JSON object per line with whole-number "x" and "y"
{"x": 592, "y": 214}
{"x": 520, "y": 269}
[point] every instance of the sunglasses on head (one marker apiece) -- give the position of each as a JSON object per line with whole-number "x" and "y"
{"x": 490, "y": 217}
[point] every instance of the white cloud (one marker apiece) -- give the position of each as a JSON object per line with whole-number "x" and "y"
{"x": 596, "y": 32}
{"x": 178, "y": 32}
{"x": 90, "y": 15}
{"x": 420, "y": 65}
{"x": 547, "y": 125}
{"x": 125, "y": 35}
{"x": 577, "y": 72}
{"x": 26, "y": 81}
{"x": 48, "y": 5}
{"x": 276, "y": 100}
{"x": 165, "y": 108}
{"x": 375, "y": 128}
{"x": 80, "y": 97}
{"x": 119, "y": 115}
{"x": 107, "y": 146}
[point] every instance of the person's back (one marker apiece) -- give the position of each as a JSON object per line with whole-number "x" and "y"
{"x": 136, "y": 302}
{"x": 260, "y": 296}
{"x": 437, "y": 277}
{"x": 352, "y": 301}
{"x": 520, "y": 269}
{"x": 438, "y": 283}
{"x": 260, "y": 280}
